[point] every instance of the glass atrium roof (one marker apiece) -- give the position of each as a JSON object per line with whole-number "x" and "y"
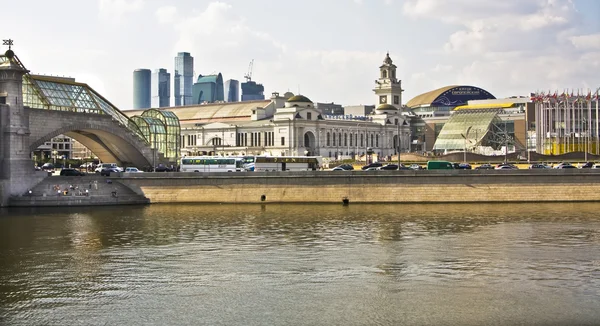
{"x": 465, "y": 128}
{"x": 171, "y": 144}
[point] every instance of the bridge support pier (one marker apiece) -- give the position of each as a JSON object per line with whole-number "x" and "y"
{"x": 17, "y": 173}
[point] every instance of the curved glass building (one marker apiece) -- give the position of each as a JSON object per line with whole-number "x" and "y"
{"x": 208, "y": 89}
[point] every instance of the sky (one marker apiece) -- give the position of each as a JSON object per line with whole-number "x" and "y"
{"x": 327, "y": 50}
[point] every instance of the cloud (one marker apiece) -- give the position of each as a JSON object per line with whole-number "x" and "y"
{"x": 510, "y": 46}
{"x": 114, "y": 9}
{"x": 219, "y": 39}
{"x": 584, "y": 42}
{"x": 166, "y": 14}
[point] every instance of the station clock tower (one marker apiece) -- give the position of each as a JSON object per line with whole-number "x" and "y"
{"x": 388, "y": 88}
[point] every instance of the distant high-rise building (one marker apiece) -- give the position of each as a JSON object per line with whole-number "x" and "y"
{"x": 161, "y": 88}
{"x": 208, "y": 89}
{"x": 177, "y": 88}
{"x": 232, "y": 90}
{"x": 184, "y": 77}
{"x": 252, "y": 91}
{"x": 141, "y": 88}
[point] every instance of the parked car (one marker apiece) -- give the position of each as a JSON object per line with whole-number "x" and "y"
{"x": 464, "y": 166}
{"x": 389, "y": 167}
{"x": 103, "y": 166}
{"x": 539, "y": 166}
{"x": 346, "y": 167}
{"x": 162, "y": 168}
{"x": 337, "y": 168}
{"x": 415, "y": 167}
{"x": 564, "y": 165}
{"x": 506, "y": 166}
{"x": 372, "y": 165}
{"x": 71, "y": 172}
{"x": 108, "y": 171}
{"x": 485, "y": 166}
{"x": 48, "y": 167}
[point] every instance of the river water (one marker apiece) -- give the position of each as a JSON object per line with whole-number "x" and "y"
{"x": 465, "y": 264}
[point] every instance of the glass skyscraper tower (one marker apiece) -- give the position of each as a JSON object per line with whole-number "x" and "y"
{"x": 141, "y": 88}
{"x": 232, "y": 90}
{"x": 184, "y": 78}
{"x": 161, "y": 88}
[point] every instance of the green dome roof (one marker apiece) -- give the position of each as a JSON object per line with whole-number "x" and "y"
{"x": 386, "y": 107}
{"x": 299, "y": 98}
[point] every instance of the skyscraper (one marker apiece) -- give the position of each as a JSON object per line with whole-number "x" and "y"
{"x": 252, "y": 91}
{"x": 208, "y": 89}
{"x": 161, "y": 88}
{"x": 176, "y": 88}
{"x": 232, "y": 90}
{"x": 184, "y": 77}
{"x": 141, "y": 88}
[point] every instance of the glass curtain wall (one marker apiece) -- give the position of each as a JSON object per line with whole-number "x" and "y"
{"x": 171, "y": 146}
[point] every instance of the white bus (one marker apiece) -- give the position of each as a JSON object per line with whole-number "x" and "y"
{"x": 211, "y": 164}
{"x": 287, "y": 163}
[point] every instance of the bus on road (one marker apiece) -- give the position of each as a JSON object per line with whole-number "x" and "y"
{"x": 287, "y": 163}
{"x": 211, "y": 164}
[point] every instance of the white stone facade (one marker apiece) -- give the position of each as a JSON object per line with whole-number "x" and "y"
{"x": 291, "y": 125}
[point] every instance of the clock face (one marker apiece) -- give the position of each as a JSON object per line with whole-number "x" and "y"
{"x": 383, "y": 99}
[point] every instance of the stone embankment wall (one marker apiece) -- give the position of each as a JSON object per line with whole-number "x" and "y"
{"x": 451, "y": 186}
{"x": 90, "y": 190}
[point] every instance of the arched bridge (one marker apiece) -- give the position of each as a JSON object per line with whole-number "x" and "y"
{"x": 34, "y": 109}
{"x": 109, "y": 140}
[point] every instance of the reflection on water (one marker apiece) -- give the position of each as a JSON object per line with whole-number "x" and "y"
{"x": 439, "y": 264}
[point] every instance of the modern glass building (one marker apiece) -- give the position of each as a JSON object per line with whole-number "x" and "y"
{"x": 232, "y": 90}
{"x": 251, "y": 91}
{"x": 184, "y": 78}
{"x": 208, "y": 89}
{"x": 161, "y": 88}
{"x": 141, "y": 88}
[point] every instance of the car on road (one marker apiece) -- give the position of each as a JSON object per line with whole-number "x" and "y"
{"x": 587, "y": 165}
{"x": 347, "y": 167}
{"x": 337, "y": 168}
{"x": 416, "y": 167}
{"x": 506, "y": 166}
{"x": 132, "y": 169}
{"x": 596, "y": 166}
{"x": 108, "y": 171}
{"x": 48, "y": 167}
{"x": 103, "y": 166}
{"x": 162, "y": 168}
{"x": 565, "y": 165}
{"x": 71, "y": 173}
{"x": 372, "y": 165}
{"x": 464, "y": 166}
{"x": 485, "y": 166}
{"x": 389, "y": 167}
{"x": 539, "y": 166}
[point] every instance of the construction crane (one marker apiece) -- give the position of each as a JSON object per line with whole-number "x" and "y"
{"x": 248, "y": 76}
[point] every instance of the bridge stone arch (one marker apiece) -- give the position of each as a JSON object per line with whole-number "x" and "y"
{"x": 107, "y": 139}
